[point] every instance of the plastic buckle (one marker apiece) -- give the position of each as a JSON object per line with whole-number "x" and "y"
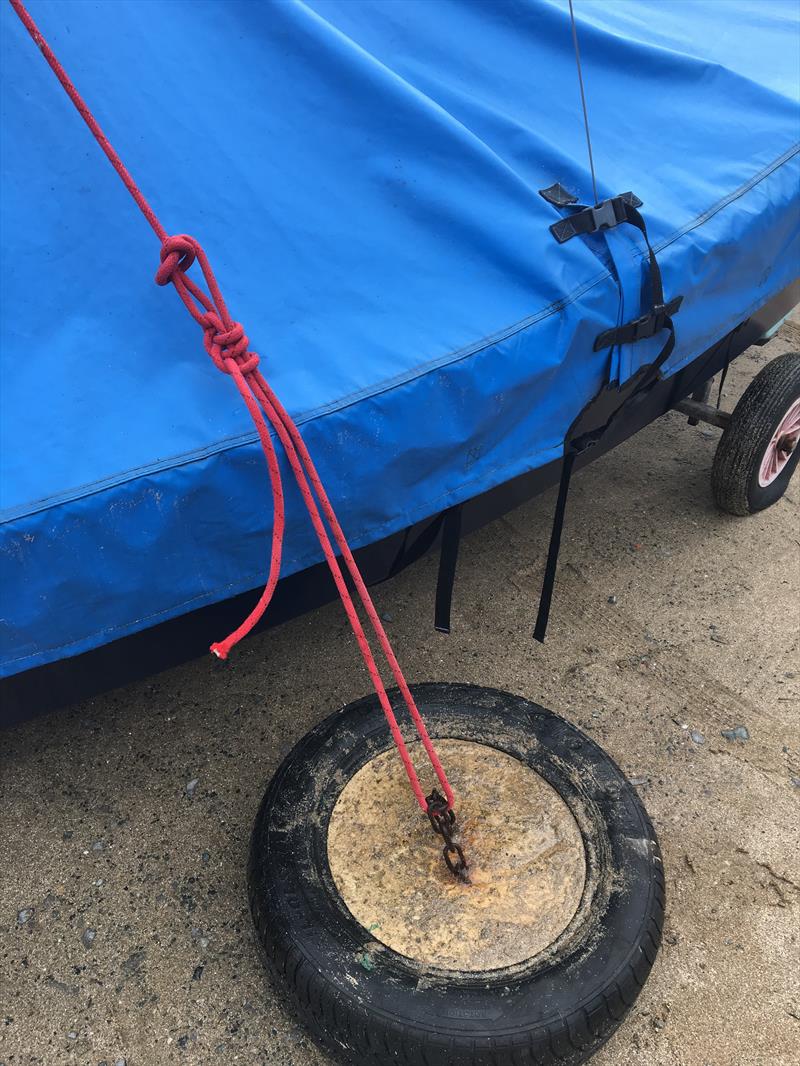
{"x": 639, "y": 329}
{"x": 607, "y": 214}
{"x": 650, "y": 324}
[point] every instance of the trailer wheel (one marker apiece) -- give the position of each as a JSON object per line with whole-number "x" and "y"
{"x": 388, "y": 958}
{"x": 758, "y": 451}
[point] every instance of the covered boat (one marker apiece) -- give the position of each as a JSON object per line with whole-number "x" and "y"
{"x": 365, "y": 177}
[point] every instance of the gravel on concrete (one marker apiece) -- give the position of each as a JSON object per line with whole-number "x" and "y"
{"x": 124, "y": 931}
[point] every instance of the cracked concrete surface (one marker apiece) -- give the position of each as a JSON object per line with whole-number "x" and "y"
{"x": 124, "y": 931}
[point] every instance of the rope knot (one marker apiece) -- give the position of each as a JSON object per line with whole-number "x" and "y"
{"x": 227, "y": 343}
{"x": 177, "y": 254}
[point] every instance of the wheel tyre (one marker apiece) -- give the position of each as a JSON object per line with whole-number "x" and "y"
{"x": 557, "y": 1008}
{"x": 756, "y": 417}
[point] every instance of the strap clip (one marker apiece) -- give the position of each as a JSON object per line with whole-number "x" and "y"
{"x": 605, "y": 215}
{"x": 639, "y": 329}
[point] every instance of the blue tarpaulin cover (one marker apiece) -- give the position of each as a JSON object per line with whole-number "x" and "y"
{"x": 363, "y": 175}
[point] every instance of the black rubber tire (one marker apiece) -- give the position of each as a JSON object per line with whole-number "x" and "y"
{"x": 558, "y": 1008}
{"x": 734, "y": 475}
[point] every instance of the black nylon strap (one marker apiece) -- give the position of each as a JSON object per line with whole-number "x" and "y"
{"x": 605, "y": 215}
{"x": 549, "y": 580}
{"x": 448, "y": 557}
{"x": 595, "y": 418}
{"x": 660, "y": 315}
{"x": 634, "y": 218}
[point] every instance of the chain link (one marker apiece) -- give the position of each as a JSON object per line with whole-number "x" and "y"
{"x": 443, "y": 819}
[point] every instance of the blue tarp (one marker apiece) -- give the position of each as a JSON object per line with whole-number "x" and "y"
{"x": 364, "y": 177}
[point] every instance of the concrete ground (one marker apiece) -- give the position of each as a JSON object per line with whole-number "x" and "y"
{"x": 125, "y": 934}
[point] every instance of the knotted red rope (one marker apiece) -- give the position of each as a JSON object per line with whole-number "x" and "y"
{"x": 229, "y": 349}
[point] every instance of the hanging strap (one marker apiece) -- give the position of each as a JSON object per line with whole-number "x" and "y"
{"x": 549, "y": 580}
{"x": 448, "y": 559}
{"x": 604, "y": 408}
{"x": 229, "y": 349}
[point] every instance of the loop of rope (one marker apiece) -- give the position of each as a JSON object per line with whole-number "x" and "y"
{"x": 177, "y": 253}
{"x": 227, "y": 345}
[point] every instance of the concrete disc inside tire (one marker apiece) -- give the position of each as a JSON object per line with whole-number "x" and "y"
{"x": 524, "y": 847}
{"x": 387, "y": 957}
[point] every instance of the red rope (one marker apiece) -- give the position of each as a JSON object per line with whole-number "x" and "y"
{"x": 229, "y": 349}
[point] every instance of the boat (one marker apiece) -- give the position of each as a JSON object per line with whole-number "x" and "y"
{"x": 400, "y": 207}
